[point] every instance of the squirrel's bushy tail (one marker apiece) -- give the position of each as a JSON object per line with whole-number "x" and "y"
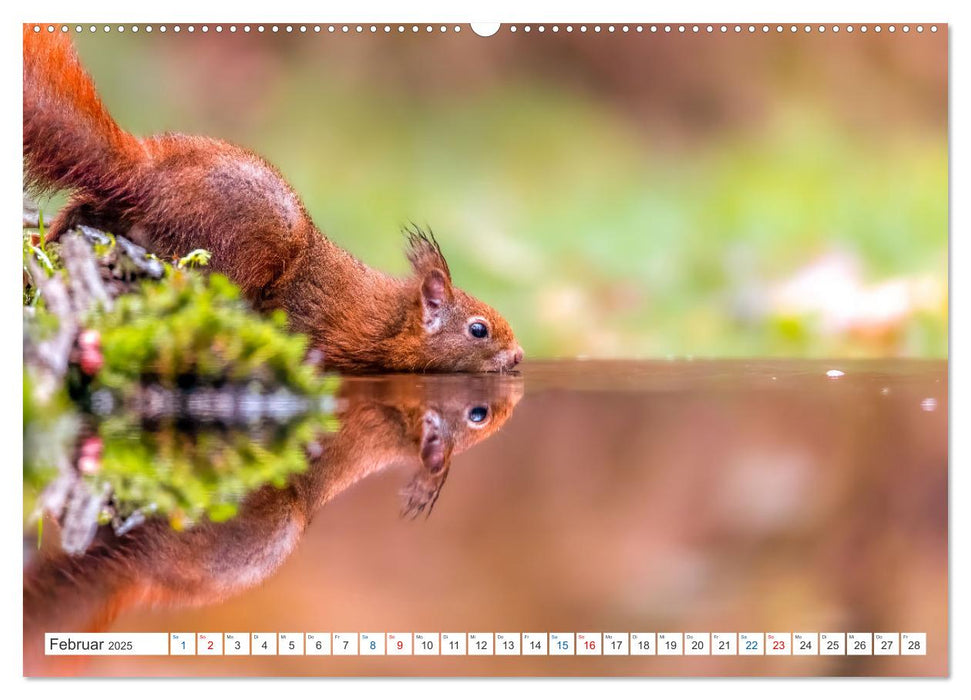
{"x": 70, "y": 140}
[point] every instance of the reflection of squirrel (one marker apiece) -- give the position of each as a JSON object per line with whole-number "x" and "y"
{"x": 173, "y": 193}
{"x": 384, "y": 422}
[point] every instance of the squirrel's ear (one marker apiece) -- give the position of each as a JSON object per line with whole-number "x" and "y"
{"x": 422, "y": 491}
{"x": 435, "y": 293}
{"x": 432, "y": 450}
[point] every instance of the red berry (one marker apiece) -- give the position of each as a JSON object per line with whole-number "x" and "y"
{"x": 91, "y": 361}
{"x": 92, "y": 447}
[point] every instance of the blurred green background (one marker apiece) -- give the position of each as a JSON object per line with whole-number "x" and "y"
{"x": 613, "y": 195}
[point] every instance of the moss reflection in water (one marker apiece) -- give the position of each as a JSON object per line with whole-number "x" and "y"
{"x": 189, "y": 475}
{"x": 50, "y": 431}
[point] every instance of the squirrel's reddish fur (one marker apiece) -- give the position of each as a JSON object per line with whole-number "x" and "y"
{"x": 174, "y": 193}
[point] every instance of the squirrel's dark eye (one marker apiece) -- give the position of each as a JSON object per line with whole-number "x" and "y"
{"x": 478, "y": 330}
{"x": 477, "y": 414}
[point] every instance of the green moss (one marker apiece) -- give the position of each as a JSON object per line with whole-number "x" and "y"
{"x": 194, "y": 327}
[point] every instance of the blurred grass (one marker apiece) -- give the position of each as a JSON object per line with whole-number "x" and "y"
{"x": 591, "y": 238}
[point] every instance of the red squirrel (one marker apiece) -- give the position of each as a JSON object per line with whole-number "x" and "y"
{"x": 383, "y": 421}
{"x": 173, "y": 193}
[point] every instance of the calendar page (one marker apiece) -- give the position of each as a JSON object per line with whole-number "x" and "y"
{"x": 670, "y": 300}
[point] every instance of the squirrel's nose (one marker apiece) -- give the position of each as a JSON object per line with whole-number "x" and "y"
{"x": 517, "y": 356}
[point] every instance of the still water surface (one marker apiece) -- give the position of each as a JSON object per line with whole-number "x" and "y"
{"x": 580, "y": 496}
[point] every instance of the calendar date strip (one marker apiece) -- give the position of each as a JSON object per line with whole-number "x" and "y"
{"x": 487, "y": 644}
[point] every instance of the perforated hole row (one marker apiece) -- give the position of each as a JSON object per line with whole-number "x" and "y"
{"x": 254, "y": 28}
{"x": 514, "y": 28}
{"x": 722, "y": 28}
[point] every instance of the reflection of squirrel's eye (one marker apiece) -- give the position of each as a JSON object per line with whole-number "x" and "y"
{"x": 478, "y": 330}
{"x": 478, "y": 414}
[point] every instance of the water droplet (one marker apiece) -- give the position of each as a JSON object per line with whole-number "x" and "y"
{"x": 928, "y": 404}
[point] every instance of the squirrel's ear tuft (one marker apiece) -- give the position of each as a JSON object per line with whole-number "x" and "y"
{"x": 421, "y": 493}
{"x": 423, "y": 252}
